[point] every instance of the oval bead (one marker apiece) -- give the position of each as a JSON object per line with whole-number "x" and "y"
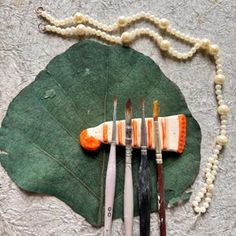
{"x": 219, "y": 79}
{"x": 223, "y": 109}
{"x": 221, "y": 139}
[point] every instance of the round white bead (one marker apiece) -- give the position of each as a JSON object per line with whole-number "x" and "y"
{"x": 195, "y": 203}
{"x": 215, "y": 167}
{"x": 209, "y": 181}
{"x": 171, "y": 51}
{"x": 71, "y": 19}
{"x": 213, "y": 49}
{"x": 208, "y": 199}
{"x": 213, "y": 172}
{"x": 223, "y": 109}
{"x": 177, "y": 33}
{"x": 221, "y": 139}
{"x": 200, "y": 195}
{"x": 122, "y": 21}
{"x": 223, "y": 126}
{"x": 192, "y": 39}
{"x": 197, "y": 209}
{"x": 60, "y": 31}
{"x": 79, "y": 18}
{"x": 214, "y": 156}
{"x": 205, "y": 43}
{"x": 216, "y": 151}
{"x": 142, "y": 13}
{"x": 223, "y": 132}
{"x": 163, "y": 23}
{"x": 206, "y": 204}
{"x": 208, "y": 165}
{"x": 207, "y": 170}
{"x": 223, "y": 117}
{"x": 210, "y": 187}
{"x": 211, "y": 160}
{"x": 148, "y": 15}
{"x": 179, "y": 55}
{"x": 80, "y": 29}
{"x": 219, "y": 79}
{"x": 216, "y": 162}
{"x": 219, "y": 147}
{"x": 172, "y": 30}
{"x": 208, "y": 175}
{"x": 126, "y": 37}
{"x": 221, "y": 102}
{"x": 224, "y": 122}
{"x": 187, "y": 37}
{"x": 208, "y": 194}
{"x": 219, "y": 71}
{"x": 184, "y": 35}
{"x": 203, "y": 190}
{"x": 203, "y": 209}
{"x": 67, "y": 31}
{"x": 197, "y": 199}
{"x": 165, "y": 45}
{"x": 71, "y": 30}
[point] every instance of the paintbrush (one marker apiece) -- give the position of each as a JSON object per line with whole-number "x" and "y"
{"x": 144, "y": 181}
{"x": 110, "y": 178}
{"x": 160, "y": 180}
{"x": 128, "y": 189}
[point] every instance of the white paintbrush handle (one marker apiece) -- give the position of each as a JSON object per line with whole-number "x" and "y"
{"x": 128, "y": 195}
{"x": 110, "y": 190}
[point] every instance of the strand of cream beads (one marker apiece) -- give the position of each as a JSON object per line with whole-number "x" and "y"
{"x": 204, "y": 197}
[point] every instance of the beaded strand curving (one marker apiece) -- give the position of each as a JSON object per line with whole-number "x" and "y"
{"x": 75, "y": 26}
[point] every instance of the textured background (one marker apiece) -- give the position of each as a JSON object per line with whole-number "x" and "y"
{"x": 24, "y": 52}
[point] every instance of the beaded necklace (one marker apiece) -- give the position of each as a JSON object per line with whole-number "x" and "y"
{"x": 102, "y": 31}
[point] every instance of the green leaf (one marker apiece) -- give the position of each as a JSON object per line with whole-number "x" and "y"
{"x": 179, "y": 199}
{"x": 75, "y": 91}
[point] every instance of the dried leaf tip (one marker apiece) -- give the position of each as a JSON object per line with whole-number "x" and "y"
{"x": 155, "y": 109}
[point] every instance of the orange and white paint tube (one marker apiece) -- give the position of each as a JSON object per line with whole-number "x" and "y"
{"x": 172, "y": 130}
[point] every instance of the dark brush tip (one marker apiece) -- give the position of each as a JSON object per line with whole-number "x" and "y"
{"x": 128, "y": 105}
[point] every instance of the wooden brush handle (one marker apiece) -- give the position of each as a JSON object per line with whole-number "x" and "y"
{"x": 110, "y": 190}
{"x": 128, "y": 194}
{"x": 161, "y": 200}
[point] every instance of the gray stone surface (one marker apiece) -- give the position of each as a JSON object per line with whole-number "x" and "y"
{"x": 24, "y": 52}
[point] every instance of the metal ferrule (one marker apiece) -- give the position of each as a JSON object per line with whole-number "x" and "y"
{"x": 128, "y": 151}
{"x": 157, "y": 139}
{"x": 143, "y": 150}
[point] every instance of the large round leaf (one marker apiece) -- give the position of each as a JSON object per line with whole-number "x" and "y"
{"x": 74, "y": 92}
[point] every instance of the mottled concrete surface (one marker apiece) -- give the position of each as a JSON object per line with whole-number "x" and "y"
{"x": 24, "y": 52}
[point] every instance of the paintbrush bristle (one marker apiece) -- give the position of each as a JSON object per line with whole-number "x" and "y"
{"x": 128, "y": 107}
{"x": 142, "y": 103}
{"x": 155, "y": 109}
{"x": 115, "y": 101}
